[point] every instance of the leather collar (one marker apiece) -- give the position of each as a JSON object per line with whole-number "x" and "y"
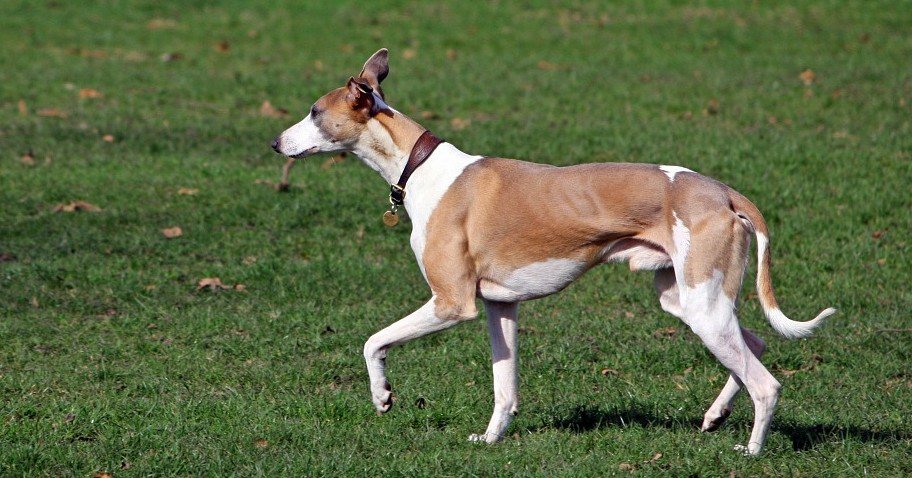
{"x": 422, "y": 149}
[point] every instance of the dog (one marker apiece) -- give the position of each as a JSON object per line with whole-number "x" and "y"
{"x": 506, "y": 231}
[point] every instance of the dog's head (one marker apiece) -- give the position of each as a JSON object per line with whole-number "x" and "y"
{"x": 338, "y": 119}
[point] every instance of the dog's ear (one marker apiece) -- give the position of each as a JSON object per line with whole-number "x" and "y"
{"x": 375, "y": 70}
{"x": 362, "y": 97}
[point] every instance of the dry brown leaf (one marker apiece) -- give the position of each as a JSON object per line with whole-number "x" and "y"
{"x": 211, "y": 283}
{"x": 108, "y": 138}
{"x": 34, "y": 302}
{"x": 609, "y": 371}
{"x": 261, "y": 443}
{"x": 52, "y": 112}
{"x": 172, "y": 232}
{"x": 712, "y": 107}
{"x": 460, "y": 123}
{"x": 655, "y": 457}
{"x": 28, "y": 158}
{"x": 877, "y": 234}
{"x": 249, "y": 260}
{"x": 807, "y": 77}
{"x": 546, "y": 65}
{"x": 429, "y": 115}
{"x": 102, "y": 474}
{"x": 161, "y": 24}
{"x": 7, "y": 257}
{"x": 266, "y": 109}
{"x": 665, "y": 332}
{"x": 409, "y": 53}
{"x": 89, "y": 93}
{"x": 240, "y": 287}
{"x": 187, "y": 192}
{"x": 75, "y": 206}
{"x": 318, "y": 65}
{"x": 451, "y": 54}
{"x": 172, "y": 56}
{"x": 222, "y": 46}
{"x": 626, "y": 467}
{"x": 23, "y": 108}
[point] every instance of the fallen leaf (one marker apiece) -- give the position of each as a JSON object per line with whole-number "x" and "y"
{"x": 125, "y": 465}
{"x": 222, "y": 46}
{"x": 52, "y": 112}
{"x": 665, "y": 332}
{"x": 807, "y": 77}
{"x": 187, "y": 191}
{"x": 34, "y": 302}
{"x": 261, "y": 443}
{"x": 712, "y": 107}
{"x": 318, "y": 65}
{"x": 23, "y": 108}
{"x": 108, "y": 138}
{"x": 69, "y": 418}
{"x": 546, "y": 65}
{"x": 451, "y": 54}
{"x": 865, "y": 37}
{"x": 7, "y": 257}
{"x": 460, "y": 123}
{"x": 173, "y": 56}
{"x": 628, "y": 314}
{"x": 102, "y": 474}
{"x": 28, "y": 158}
{"x": 161, "y": 24}
{"x": 249, "y": 260}
{"x": 626, "y": 467}
{"x": 609, "y": 371}
{"x": 172, "y": 232}
{"x": 75, "y": 206}
{"x": 240, "y": 287}
{"x": 877, "y": 235}
{"x": 89, "y": 93}
{"x": 881, "y": 262}
{"x": 429, "y": 115}
{"x": 266, "y": 109}
{"x": 211, "y": 283}
{"x": 654, "y": 458}
{"x": 409, "y": 53}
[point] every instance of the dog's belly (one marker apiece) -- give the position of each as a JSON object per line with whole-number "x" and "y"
{"x": 532, "y": 281}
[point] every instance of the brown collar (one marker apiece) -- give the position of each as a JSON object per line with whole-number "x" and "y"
{"x": 423, "y": 148}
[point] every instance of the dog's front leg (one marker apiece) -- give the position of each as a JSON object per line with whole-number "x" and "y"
{"x": 502, "y": 328}
{"x": 417, "y": 324}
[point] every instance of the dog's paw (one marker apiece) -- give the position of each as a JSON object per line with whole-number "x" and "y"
{"x": 712, "y": 421}
{"x": 488, "y": 438}
{"x": 383, "y": 398}
{"x": 752, "y": 449}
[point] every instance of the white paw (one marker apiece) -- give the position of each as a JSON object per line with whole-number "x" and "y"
{"x": 488, "y": 438}
{"x": 752, "y": 449}
{"x": 383, "y": 398}
{"x": 476, "y": 438}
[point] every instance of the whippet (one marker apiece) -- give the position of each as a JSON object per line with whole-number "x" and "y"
{"x": 507, "y": 231}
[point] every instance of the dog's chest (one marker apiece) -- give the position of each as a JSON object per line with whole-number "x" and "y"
{"x": 426, "y": 188}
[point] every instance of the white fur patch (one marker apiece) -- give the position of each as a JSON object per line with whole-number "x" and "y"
{"x": 534, "y": 280}
{"x": 670, "y": 171}
{"x": 304, "y": 137}
{"x": 427, "y": 186}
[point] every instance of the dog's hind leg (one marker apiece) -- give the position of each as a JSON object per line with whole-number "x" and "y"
{"x": 422, "y": 322}
{"x": 721, "y": 408}
{"x": 502, "y": 328}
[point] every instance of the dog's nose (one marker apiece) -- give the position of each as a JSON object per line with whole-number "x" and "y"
{"x": 276, "y": 143}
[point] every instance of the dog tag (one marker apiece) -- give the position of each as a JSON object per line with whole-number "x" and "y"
{"x": 390, "y": 218}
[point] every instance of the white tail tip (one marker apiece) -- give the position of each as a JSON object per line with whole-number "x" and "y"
{"x": 792, "y": 329}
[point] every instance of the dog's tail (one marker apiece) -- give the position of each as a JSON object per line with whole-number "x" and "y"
{"x": 788, "y": 328}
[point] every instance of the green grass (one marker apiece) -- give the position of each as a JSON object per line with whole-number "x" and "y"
{"x": 110, "y": 360}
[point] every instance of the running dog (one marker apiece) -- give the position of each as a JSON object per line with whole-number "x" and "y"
{"x": 506, "y": 231}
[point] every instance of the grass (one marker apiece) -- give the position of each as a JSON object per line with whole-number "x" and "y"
{"x": 112, "y": 361}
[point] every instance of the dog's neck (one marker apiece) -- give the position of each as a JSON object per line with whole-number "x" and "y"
{"x": 386, "y": 143}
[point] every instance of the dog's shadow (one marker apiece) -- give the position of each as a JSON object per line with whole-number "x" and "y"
{"x": 582, "y": 419}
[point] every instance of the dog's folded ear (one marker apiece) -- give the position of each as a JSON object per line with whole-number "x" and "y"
{"x": 375, "y": 70}
{"x": 363, "y": 97}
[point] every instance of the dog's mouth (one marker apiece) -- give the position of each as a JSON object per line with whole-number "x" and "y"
{"x": 303, "y": 154}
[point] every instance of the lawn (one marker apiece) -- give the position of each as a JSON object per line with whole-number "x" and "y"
{"x": 113, "y": 361}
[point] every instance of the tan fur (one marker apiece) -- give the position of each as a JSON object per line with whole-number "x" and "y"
{"x": 502, "y": 214}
